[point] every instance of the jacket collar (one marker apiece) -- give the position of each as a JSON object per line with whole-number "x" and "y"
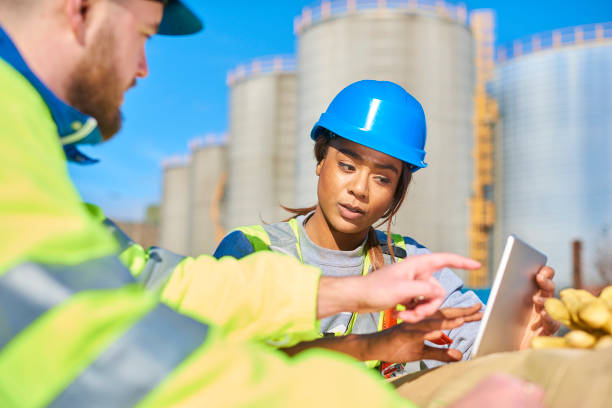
{"x": 73, "y": 127}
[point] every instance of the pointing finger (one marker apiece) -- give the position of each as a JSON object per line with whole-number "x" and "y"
{"x": 428, "y": 264}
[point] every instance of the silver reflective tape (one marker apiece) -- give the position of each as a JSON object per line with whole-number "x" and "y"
{"x": 120, "y": 236}
{"x": 137, "y": 362}
{"x": 159, "y": 268}
{"x": 30, "y": 289}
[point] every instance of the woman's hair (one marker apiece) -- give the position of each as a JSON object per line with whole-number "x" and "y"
{"x": 372, "y": 246}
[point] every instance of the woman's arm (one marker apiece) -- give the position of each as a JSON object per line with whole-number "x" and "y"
{"x": 400, "y": 343}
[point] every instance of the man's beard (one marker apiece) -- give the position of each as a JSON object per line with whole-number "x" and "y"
{"x": 95, "y": 88}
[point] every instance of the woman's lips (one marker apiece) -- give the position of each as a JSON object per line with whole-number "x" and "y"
{"x": 349, "y": 212}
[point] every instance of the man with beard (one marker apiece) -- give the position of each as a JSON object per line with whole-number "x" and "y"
{"x": 75, "y": 328}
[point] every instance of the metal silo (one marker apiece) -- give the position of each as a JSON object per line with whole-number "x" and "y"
{"x": 555, "y": 142}
{"x": 261, "y": 142}
{"x": 426, "y": 47}
{"x": 175, "y": 207}
{"x": 207, "y": 183}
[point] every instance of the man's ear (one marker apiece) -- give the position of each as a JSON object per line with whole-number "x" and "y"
{"x": 77, "y": 13}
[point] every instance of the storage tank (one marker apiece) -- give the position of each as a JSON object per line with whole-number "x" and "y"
{"x": 554, "y": 143}
{"x": 424, "y": 46}
{"x": 261, "y": 142}
{"x": 207, "y": 183}
{"x": 175, "y": 213}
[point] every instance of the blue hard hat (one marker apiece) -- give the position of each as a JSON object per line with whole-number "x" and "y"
{"x": 178, "y": 19}
{"x": 380, "y": 115}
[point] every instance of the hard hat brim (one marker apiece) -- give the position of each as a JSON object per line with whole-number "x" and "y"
{"x": 178, "y": 19}
{"x": 413, "y": 156}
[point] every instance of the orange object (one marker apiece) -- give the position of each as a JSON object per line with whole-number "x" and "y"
{"x": 444, "y": 340}
{"x": 386, "y": 369}
{"x": 388, "y": 319}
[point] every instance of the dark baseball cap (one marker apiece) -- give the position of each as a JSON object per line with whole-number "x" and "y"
{"x": 178, "y": 19}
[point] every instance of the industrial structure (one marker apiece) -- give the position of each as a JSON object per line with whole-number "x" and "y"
{"x": 482, "y": 210}
{"x": 425, "y": 46}
{"x": 554, "y": 143}
{"x": 261, "y": 145}
{"x": 519, "y": 138}
{"x": 193, "y": 185}
{"x": 174, "y": 217}
{"x": 207, "y": 182}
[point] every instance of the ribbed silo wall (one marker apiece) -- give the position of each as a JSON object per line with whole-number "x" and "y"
{"x": 555, "y": 144}
{"x": 175, "y": 208}
{"x": 207, "y": 173}
{"x": 427, "y": 48}
{"x": 261, "y": 145}
{"x": 284, "y": 153}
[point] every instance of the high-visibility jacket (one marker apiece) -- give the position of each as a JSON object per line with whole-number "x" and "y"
{"x": 76, "y": 328}
{"x": 284, "y": 237}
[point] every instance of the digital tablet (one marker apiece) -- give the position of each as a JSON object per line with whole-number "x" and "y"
{"x": 508, "y": 309}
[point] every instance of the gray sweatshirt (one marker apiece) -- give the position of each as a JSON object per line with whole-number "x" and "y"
{"x": 350, "y": 263}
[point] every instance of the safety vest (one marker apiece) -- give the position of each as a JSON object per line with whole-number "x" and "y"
{"x": 261, "y": 240}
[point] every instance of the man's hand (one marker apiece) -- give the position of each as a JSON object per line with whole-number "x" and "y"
{"x": 401, "y": 343}
{"x": 540, "y": 323}
{"x": 409, "y": 283}
{"x": 502, "y": 391}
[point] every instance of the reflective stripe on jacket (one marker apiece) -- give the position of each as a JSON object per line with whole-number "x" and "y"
{"x": 189, "y": 285}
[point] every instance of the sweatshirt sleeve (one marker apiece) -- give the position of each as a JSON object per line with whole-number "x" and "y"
{"x": 463, "y": 336}
{"x": 264, "y": 296}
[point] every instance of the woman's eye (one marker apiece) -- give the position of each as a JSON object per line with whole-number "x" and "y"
{"x": 346, "y": 166}
{"x": 384, "y": 180}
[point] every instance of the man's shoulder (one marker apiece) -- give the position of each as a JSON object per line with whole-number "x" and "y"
{"x": 42, "y": 215}
{"x": 19, "y": 98}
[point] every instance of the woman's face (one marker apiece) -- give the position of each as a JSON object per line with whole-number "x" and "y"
{"x": 356, "y": 185}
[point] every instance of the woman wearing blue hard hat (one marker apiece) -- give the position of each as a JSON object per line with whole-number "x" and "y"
{"x": 368, "y": 144}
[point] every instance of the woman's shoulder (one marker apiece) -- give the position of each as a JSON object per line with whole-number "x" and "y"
{"x": 245, "y": 240}
{"x": 401, "y": 243}
{"x": 235, "y": 244}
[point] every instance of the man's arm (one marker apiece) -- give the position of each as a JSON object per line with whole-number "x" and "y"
{"x": 398, "y": 284}
{"x": 267, "y": 295}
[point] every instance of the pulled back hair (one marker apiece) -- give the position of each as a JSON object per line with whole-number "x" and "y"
{"x": 372, "y": 246}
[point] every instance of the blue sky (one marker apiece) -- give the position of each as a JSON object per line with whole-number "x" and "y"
{"x": 185, "y": 95}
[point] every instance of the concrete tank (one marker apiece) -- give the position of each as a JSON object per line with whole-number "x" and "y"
{"x": 175, "y": 206}
{"x": 554, "y": 144}
{"x": 207, "y": 180}
{"x": 426, "y": 47}
{"x": 261, "y": 142}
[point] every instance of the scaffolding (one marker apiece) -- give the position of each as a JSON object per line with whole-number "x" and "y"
{"x": 482, "y": 210}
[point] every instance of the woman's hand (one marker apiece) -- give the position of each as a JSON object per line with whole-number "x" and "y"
{"x": 540, "y": 323}
{"x": 401, "y": 343}
{"x": 405, "y": 342}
